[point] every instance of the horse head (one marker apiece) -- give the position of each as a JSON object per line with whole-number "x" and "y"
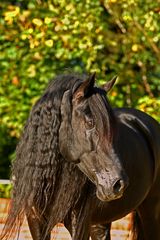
{"x": 86, "y": 137}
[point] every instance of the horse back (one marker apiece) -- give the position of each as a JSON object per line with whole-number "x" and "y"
{"x": 147, "y": 127}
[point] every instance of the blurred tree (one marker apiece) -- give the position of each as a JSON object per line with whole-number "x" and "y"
{"x": 39, "y": 39}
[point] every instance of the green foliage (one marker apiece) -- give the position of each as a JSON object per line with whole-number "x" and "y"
{"x": 39, "y": 39}
{"x": 5, "y": 191}
{"x": 7, "y": 147}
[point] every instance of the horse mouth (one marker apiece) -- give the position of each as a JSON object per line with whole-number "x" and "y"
{"x": 106, "y": 196}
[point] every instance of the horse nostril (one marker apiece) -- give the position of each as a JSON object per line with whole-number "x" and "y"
{"x": 118, "y": 186}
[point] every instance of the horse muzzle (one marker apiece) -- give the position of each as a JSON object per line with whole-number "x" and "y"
{"x": 112, "y": 190}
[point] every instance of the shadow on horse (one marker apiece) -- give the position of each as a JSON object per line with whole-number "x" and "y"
{"x": 85, "y": 164}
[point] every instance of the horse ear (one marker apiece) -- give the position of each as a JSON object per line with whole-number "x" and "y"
{"x": 85, "y": 87}
{"x": 107, "y": 87}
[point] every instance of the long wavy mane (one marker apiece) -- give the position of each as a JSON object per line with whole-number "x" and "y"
{"x": 40, "y": 175}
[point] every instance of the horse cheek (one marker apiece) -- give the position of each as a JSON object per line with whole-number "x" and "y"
{"x": 67, "y": 143}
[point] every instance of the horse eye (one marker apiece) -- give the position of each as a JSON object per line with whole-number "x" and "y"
{"x": 89, "y": 123}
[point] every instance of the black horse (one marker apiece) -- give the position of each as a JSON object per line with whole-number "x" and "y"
{"x": 84, "y": 164}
